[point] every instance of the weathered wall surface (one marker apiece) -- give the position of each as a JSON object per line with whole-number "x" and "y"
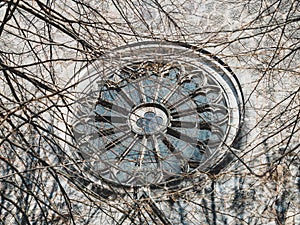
{"x": 44, "y": 43}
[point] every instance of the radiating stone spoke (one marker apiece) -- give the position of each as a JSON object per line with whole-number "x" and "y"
{"x": 113, "y": 107}
{"x": 125, "y": 97}
{"x": 191, "y": 125}
{"x": 110, "y": 119}
{"x": 128, "y": 149}
{"x": 118, "y": 141}
{"x": 111, "y": 131}
{"x": 187, "y": 112}
{"x": 183, "y": 137}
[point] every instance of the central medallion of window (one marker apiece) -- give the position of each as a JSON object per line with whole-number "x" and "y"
{"x": 151, "y": 112}
{"x": 149, "y": 119}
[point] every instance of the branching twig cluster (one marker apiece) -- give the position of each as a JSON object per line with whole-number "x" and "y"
{"x": 43, "y": 43}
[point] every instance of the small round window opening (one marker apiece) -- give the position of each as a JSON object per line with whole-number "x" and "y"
{"x": 152, "y": 111}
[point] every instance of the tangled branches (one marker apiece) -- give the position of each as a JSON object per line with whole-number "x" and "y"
{"x": 45, "y": 44}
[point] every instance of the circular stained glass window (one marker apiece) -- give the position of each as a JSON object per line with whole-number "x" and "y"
{"x": 151, "y": 111}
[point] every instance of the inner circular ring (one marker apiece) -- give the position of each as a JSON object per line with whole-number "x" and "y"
{"x": 148, "y": 119}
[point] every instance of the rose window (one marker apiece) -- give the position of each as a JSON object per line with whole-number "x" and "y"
{"x": 153, "y": 111}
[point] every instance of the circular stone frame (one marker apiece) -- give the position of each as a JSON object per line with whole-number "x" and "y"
{"x": 160, "y": 138}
